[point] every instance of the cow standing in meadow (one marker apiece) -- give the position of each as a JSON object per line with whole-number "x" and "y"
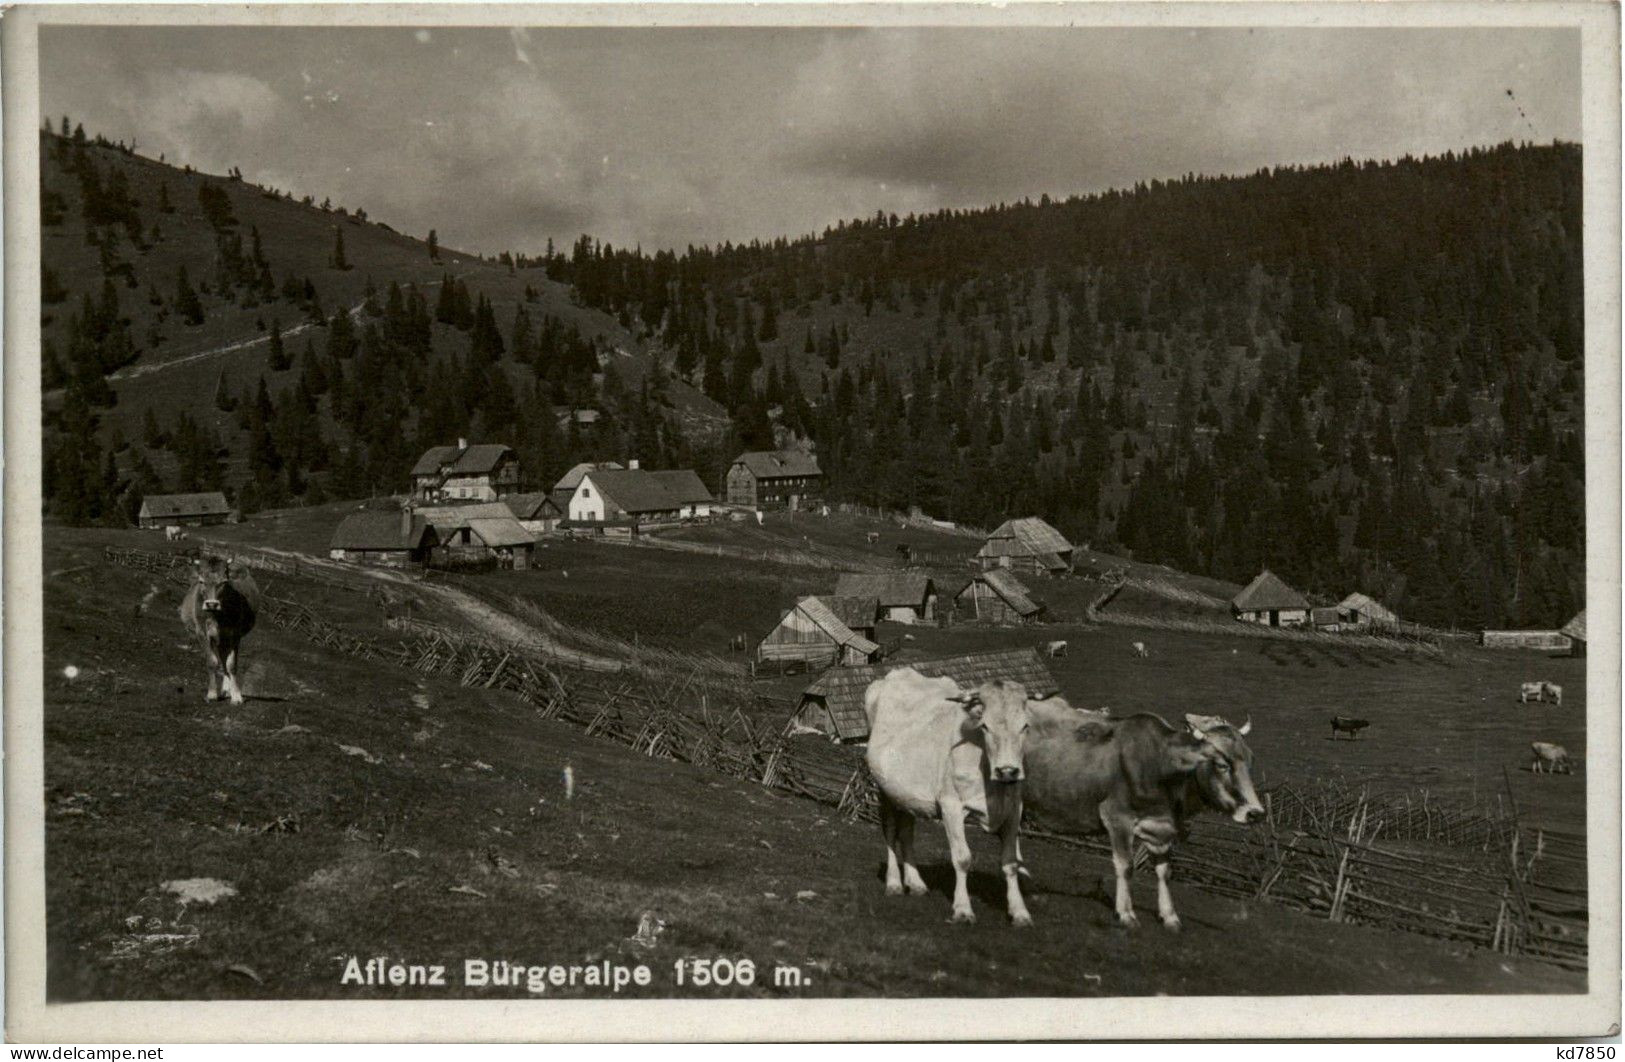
{"x": 220, "y": 609}
{"x": 1550, "y": 759}
{"x": 1551, "y": 691}
{"x": 1140, "y": 651}
{"x": 942, "y": 752}
{"x": 1531, "y": 691}
{"x": 1136, "y": 779}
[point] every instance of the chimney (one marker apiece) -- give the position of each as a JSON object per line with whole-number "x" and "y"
{"x": 462, "y": 443}
{"x": 632, "y": 463}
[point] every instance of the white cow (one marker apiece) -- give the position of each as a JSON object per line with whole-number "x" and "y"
{"x": 1531, "y": 691}
{"x": 758, "y": 518}
{"x": 942, "y": 752}
{"x": 1055, "y": 649}
{"x": 173, "y": 534}
{"x": 1141, "y": 651}
{"x": 1550, "y": 759}
{"x": 1551, "y": 691}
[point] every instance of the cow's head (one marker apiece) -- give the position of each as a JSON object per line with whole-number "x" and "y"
{"x": 998, "y": 709}
{"x": 213, "y": 574}
{"x": 1226, "y": 779}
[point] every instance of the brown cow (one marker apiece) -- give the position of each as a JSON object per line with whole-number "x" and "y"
{"x": 219, "y": 609}
{"x": 1136, "y": 779}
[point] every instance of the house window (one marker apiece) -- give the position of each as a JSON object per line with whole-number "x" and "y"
{"x": 586, "y": 492}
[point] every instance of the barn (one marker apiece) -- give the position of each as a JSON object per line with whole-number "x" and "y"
{"x": 536, "y": 512}
{"x": 477, "y": 532}
{"x": 183, "y": 510}
{"x": 834, "y": 703}
{"x": 904, "y": 597}
{"x": 394, "y": 540}
{"x": 1269, "y": 601}
{"x": 812, "y": 632}
{"x": 1358, "y": 611}
{"x": 1026, "y": 544}
{"x": 997, "y": 596}
{"x": 1575, "y": 630}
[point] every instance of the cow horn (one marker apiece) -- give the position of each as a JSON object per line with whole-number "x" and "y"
{"x": 1246, "y": 727}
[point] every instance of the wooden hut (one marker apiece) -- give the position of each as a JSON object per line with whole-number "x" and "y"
{"x": 1027, "y": 544}
{"x": 391, "y": 539}
{"x": 183, "y": 510}
{"x": 1270, "y": 601}
{"x": 536, "y": 512}
{"x": 1575, "y": 630}
{"x": 904, "y": 597}
{"x": 469, "y": 533}
{"x": 812, "y": 632}
{"x": 859, "y": 613}
{"x": 997, "y": 596}
{"x": 1359, "y": 611}
{"x": 834, "y": 703}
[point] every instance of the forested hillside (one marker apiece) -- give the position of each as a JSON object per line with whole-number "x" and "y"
{"x": 1366, "y": 375}
{"x": 204, "y": 332}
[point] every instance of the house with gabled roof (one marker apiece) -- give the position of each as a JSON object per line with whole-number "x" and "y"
{"x": 686, "y": 488}
{"x": 834, "y": 702}
{"x": 903, "y": 597}
{"x": 997, "y": 596}
{"x": 774, "y": 479}
{"x": 1026, "y": 544}
{"x": 391, "y": 539}
{"x": 1269, "y": 601}
{"x": 813, "y": 633}
{"x": 184, "y": 510}
{"x": 1575, "y": 631}
{"x": 482, "y": 472}
{"x": 1362, "y": 611}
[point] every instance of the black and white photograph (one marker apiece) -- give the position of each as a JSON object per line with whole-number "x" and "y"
{"x": 1077, "y": 513}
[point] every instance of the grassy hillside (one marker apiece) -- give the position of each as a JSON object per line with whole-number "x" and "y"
{"x": 339, "y": 782}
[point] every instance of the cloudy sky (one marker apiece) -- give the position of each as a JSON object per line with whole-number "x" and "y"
{"x": 667, "y": 137}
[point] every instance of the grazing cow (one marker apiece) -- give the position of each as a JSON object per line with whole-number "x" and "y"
{"x": 1551, "y": 691}
{"x": 759, "y": 518}
{"x": 1342, "y": 724}
{"x": 942, "y": 752}
{"x": 1550, "y": 759}
{"x": 173, "y": 534}
{"x": 1530, "y": 691}
{"x": 1054, "y": 649}
{"x": 1141, "y": 651}
{"x": 219, "y": 609}
{"x": 1136, "y": 779}
{"x": 872, "y": 537}
{"x": 905, "y": 552}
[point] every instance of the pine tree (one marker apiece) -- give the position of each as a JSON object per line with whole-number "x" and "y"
{"x": 434, "y": 246}
{"x": 186, "y": 301}
{"x": 277, "y": 358}
{"x": 337, "y": 260}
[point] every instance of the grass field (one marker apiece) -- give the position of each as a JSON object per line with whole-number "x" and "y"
{"x": 360, "y": 810}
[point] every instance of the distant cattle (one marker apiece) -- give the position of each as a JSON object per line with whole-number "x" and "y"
{"x": 942, "y": 752}
{"x": 220, "y": 609}
{"x": 1136, "y": 779}
{"x": 1551, "y": 691}
{"x": 904, "y": 552}
{"x": 1530, "y": 691}
{"x": 872, "y": 537}
{"x": 1342, "y": 724}
{"x": 737, "y": 643}
{"x": 759, "y": 518}
{"x": 1550, "y": 759}
{"x": 174, "y": 534}
{"x": 1141, "y": 651}
{"x": 1055, "y": 649}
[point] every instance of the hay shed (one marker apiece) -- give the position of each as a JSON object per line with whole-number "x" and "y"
{"x": 904, "y": 597}
{"x": 813, "y": 632}
{"x": 997, "y": 596}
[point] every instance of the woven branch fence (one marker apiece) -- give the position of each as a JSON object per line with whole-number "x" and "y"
{"x": 1468, "y": 877}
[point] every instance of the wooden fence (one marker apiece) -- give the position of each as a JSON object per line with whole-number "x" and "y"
{"x": 1487, "y": 881}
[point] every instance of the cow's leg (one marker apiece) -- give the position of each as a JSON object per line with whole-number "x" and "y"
{"x": 889, "y": 815}
{"x": 235, "y": 691}
{"x": 953, "y": 824}
{"x": 1010, "y": 851}
{"x": 1165, "y": 898}
{"x": 1121, "y": 832}
{"x": 905, "y": 839}
{"x": 211, "y": 657}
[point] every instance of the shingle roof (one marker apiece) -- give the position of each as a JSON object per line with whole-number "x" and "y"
{"x": 482, "y": 457}
{"x": 497, "y": 531}
{"x": 1030, "y": 534}
{"x": 901, "y": 588}
{"x": 842, "y": 688}
{"x": 684, "y": 484}
{"x": 208, "y": 503}
{"x": 572, "y": 479}
{"x": 525, "y": 506}
{"x": 773, "y": 464}
{"x": 380, "y": 530}
{"x": 831, "y": 624}
{"x": 634, "y": 490}
{"x": 1268, "y": 593}
{"x": 1009, "y": 587}
{"x": 446, "y": 518}
{"x": 1576, "y": 627}
{"x": 1367, "y": 606}
{"x": 859, "y": 613}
